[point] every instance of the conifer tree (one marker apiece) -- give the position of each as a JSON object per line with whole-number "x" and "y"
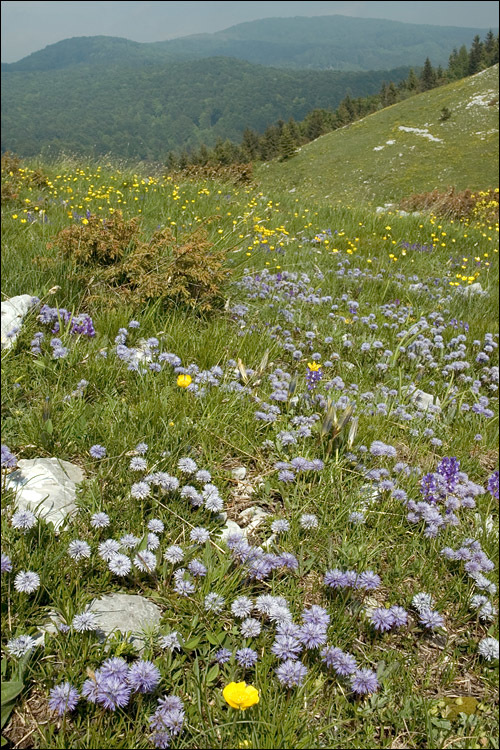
{"x": 412, "y": 81}
{"x": 476, "y": 60}
{"x": 287, "y": 144}
{"x": 250, "y": 144}
{"x": 428, "y": 76}
{"x": 491, "y": 48}
{"x": 392, "y": 94}
{"x": 315, "y": 124}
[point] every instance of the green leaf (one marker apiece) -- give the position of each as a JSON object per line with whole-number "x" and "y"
{"x": 143, "y": 544}
{"x": 48, "y": 427}
{"x": 213, "y": 673}
{"x": 10, "y": 690}
{"x": 192, "y": 643}
{"x": 215, "y": 638}
{"x": 5, "y": 713}
{"x": 196, "y": 670}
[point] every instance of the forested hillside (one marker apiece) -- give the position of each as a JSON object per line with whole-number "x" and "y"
{"x": 145, "y": 112}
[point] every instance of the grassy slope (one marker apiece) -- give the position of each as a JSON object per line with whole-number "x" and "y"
{"x": 344, "y": 165}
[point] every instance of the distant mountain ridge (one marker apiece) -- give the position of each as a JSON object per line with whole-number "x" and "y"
{"x": 322, "y": 42}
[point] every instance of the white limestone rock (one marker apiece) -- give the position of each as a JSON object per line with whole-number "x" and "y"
{"x": 252, "y": 518}
{"x": 472, "y": 290}
{"x": 129, "y": 614}
{"x": 239, "y": 472}
{"x": 230, "y": 528}
{"x": 47, "y": 487}
{"x": 13, "y": 311}
{"x": 423, "y": 400}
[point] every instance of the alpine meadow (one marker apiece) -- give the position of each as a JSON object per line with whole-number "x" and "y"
{"x": 250, "y": 390}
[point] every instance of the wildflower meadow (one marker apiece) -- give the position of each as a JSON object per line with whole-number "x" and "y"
{"x": 282, "y": 419}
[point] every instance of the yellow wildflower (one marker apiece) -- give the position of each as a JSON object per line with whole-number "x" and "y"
{"x": 240, "y": 695}
{"x": 184, "y": 380}
{"x": 314, "y": 366}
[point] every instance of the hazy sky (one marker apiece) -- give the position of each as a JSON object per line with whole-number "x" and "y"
{"x": 31, "y": 26}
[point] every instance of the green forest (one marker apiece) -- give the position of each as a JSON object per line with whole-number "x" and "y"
{"x": 144, "y": 113}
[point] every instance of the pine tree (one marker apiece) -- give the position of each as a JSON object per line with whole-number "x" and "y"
{"x": 476, "y": 61}
{"x": 250, "y": 144}
{"x": 462, "y": 61}
{"x": 392, "y": 94}
{"x": 315, "y": 124}
{"x": 428, "y": 76}
{"x": 270, "y": 143}
{"x": 412, "y": 81}
{"x": 491, "y": 49}
{"x": 294, "y": 130}
{"x": 287, "y": 144}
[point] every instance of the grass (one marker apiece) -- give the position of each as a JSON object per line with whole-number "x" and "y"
{"x": 357, "y": 164}
{"x": 341, "y": 255}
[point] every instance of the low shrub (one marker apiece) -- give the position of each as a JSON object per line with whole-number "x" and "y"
{"x": 466, "y": 204}
{"x": 184, "y": 271}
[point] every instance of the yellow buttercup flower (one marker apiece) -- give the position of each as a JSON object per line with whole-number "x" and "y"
{"x": 314, "y": 366}
{"x": 184, "y": 380}
{"x": 240, "y": 695}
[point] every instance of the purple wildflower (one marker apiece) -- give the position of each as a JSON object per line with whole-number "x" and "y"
{"x": 6, "y": 564}
{"x": 144, "y": 677}
{"x": 24, "y": 520}
{"x": 280, "y": 526}
{"x": 430, "y": 619}
{"x": 97, "y": 451}
{"x": 223, "y": 655}
{"x": 8, "y": 459}
{"x": 84, "y": 621}
{"x": 242, "y": 606}
{"x": 493, "y": 484}
{"x": 342, "y": 662}
{"x": 382, "y": 619}
{"x": 400, "y": 616}
{"x": 488, "y": 648}
{"x": 199, "y": 535}
{"x": 286, "y": 646}
{"x": 364, "y": 681}
{"x": 99, "y": 520}
{"x": 291, "y": 673}
{"x": 26, "y": 581}
{"x": 62, "y": 698}
{"x": 246, "y": 657}
{"x": 113, "y": 692}
{"x": 213, "y": 602}
{"x": 140, "y": 490}
{"x": 21, "y": 645}
{"x": 309, "y": 521}
{"x": 114, "y": 667}
{"x": 250, "y": 628}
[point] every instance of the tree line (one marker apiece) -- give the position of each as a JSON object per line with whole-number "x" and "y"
{"x": 281, "y": 139}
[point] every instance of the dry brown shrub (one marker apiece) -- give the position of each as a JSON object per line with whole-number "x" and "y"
{"x": 184, "y": 271}
{"x": 452, "y": 204}
{"x": 97, "y": 242}
{"x": 13, "y": 177}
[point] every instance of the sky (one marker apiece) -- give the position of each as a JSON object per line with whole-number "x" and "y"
{"x": 30, "y": 26}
